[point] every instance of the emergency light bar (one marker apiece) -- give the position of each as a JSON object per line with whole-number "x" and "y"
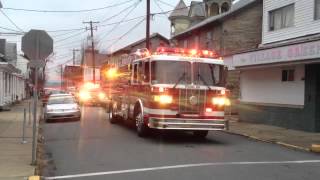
{"x": 187, "y": 52}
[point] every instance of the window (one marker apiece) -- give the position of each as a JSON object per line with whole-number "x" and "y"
{"x": 185, "y": 43}
{"x": 281, "y": 18}
{"x": 146, "y": 72}
{"x": 135, "y": 73}
{"x": 317, "y": 9}
{"x": 209, "y": 35}
{"x": 196, "y": 42}
{"x": 288, "y": 75}
{"x": 140, "y": 72}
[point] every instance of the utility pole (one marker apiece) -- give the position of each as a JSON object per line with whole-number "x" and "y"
{"x": 74, "y": 56}
{"x": 148, "y": 26}
{"x": 61, "y": 75}
{"x": 92, "y": 49}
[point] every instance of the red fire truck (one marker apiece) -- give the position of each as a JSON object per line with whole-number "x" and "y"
{"x": 174, "y": 89}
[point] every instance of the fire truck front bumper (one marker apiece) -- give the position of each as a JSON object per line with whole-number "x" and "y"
{"x": 188, "y": 124}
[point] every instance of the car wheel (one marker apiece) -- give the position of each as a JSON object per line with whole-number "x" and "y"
{"x": 111, "y": 116}
{"x": 200, "y": 134}
{"x": 142, "y": 129}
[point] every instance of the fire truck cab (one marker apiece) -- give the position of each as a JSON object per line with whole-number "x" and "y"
{"x": 172, "y": 89}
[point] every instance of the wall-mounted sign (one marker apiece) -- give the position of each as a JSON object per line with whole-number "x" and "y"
{"x": 297, "y": 52}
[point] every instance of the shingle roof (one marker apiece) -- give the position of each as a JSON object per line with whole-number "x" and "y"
{"x": 234, "y": 8}
{"x": 197, "y": 9}
{"x": 180, "y": 10}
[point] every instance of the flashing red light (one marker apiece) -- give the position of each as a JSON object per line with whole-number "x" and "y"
{"x": 205, "y": 52}
{"x": 186, "y": 52}
{"x": 193, "y": 52}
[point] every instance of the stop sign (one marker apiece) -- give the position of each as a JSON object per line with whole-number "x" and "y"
{"x": 37, "y": 44}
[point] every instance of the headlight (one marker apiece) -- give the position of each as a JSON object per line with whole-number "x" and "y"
{"x": 163, "y": 99}
{"x": 84, "y": 95}
{"x": 221, "y": 101}
{"x": 102, "y": 95}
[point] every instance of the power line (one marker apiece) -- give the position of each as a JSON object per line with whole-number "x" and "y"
{"x": 131, "y": 29}
{"x": 64, "y": 34}
{"x": 166, "y": 3}
{"x": 70, "y": 43}
{"x": 66, "y": 11}
{"x": 74, "y": 35}
{"x": 11, "y": 21}
{"x": 156, "y": 2}
{"x": 9, "y": 29}
{"x": 123, "y": 19}
{"x": 63, "y": 30}
{"x": 125, "y": 9}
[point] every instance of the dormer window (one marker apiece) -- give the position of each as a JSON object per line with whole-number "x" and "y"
{"x": 213, "y": 9}
{"x": 225, "y": 7}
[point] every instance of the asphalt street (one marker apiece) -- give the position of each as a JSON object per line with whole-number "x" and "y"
{"x": 94, "y": 149}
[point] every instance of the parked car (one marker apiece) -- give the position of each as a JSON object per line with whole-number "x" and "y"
{"x": 60, "y": 107}
{"x": 48, "y": 92}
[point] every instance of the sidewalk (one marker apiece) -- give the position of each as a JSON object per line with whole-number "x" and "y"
{"x": 273, "y": 134}
{"x": 15, "y": 157}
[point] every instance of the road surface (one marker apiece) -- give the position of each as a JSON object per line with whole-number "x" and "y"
{"x": 94, "y": 149}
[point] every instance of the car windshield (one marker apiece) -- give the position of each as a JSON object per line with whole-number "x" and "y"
{"x": 170, "y": 72}
{"x": 207, "y": 74}
{"x": 61, "y": 100}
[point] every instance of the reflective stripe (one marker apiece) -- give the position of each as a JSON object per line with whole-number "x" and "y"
{"x": 160, "y": 111}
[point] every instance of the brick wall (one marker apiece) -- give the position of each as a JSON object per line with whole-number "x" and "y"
{"x": 234, "y": 34}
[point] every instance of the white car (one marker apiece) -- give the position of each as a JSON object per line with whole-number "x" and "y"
{"x": 61, "y": 106}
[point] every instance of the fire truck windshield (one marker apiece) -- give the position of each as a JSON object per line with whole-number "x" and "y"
{"x": 207, "y": 74}
{"x": 170, "y": 72}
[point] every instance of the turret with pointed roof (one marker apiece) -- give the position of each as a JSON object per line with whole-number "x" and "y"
{"x": 180, "y": 10}
{"x": 179, "y": 18}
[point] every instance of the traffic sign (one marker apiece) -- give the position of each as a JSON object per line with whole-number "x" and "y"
{"x": 37, "y": 44}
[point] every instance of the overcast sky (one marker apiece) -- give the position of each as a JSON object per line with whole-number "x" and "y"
{"x": 57, "y": 21}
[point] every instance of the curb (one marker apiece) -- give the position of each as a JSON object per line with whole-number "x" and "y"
{"x": 314, "y": 148}
{"x": 34, "y": 178}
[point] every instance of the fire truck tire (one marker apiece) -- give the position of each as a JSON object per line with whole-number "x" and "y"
{"x": 112, "y": 118}
{"x": 200, "y": 134}
{"x": 142, "y": 128}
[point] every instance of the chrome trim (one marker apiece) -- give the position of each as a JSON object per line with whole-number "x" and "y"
{"x": 188, "y": 124}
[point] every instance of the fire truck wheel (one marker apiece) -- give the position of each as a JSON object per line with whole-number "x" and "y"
{"x": 112, "y": 118}
{"x": 142, "y": 129}
{"x": 200, "y": 134}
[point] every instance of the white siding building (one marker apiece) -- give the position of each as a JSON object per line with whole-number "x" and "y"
{"x": 280, "y": 80}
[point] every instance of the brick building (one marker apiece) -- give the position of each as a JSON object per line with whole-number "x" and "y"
{"x": 224, "y": 27}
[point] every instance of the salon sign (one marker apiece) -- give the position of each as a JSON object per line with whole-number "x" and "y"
{"x": 297, "y": 52}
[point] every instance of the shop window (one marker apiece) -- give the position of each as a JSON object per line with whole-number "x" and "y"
{"x": 287, "y": 75}
{"x": 281, "y": 18}
{"x": 317, "y": 9}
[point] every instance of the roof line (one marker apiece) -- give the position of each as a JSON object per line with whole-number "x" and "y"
{"x": 140, "y": 41}
{"x": 216, "y": 18}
